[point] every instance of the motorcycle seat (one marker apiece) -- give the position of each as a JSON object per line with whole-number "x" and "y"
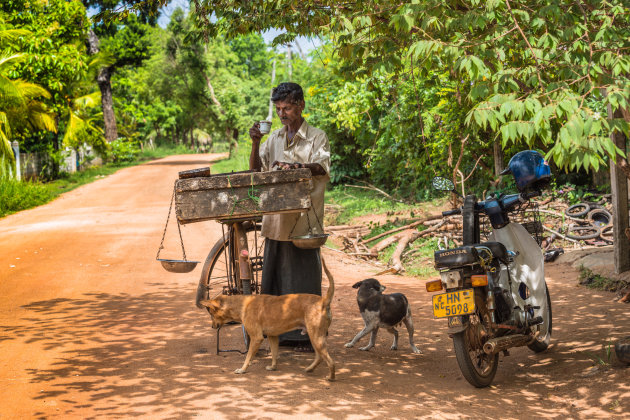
{"x": 469, "y": 254}
{"x": 499, "y": 251}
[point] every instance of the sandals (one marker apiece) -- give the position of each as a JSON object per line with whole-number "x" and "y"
{"x": 304, "y": 348}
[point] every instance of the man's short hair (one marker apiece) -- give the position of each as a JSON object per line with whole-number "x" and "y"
{"x": 287, "y": 92}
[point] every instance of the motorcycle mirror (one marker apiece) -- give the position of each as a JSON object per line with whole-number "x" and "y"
{"x": 443, "y": 184}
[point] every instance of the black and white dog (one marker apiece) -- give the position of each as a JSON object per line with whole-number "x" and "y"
{"x": 379, "y": 310}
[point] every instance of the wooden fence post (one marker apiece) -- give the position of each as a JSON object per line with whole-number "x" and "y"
{"x": 16, "y": 151}
{"x": 619, "y": 189}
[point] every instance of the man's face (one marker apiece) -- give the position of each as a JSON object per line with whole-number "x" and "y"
{"x": 290, "y": 114}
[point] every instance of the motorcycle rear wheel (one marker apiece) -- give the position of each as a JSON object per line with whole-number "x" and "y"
{"x": 477, "y": 367}
{"x": 542, "y": 342}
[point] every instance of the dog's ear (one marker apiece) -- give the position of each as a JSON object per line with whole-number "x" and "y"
{"x": 213, "y": 305}
{"x": 357, "y": 284}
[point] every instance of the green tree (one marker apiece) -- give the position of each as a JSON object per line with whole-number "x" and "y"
{"x": 538, "y": 68}
{"x": 20, "y": 107}
{"x": 54, "y": 57}
{"x": 189, "y": 84}
{"x": 126, "y": 42}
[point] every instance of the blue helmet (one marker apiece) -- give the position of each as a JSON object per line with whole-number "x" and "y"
{"x": 529, "y": 169}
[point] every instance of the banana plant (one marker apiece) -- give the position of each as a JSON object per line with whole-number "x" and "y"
{"x": 20, "y": 106}
{"x": 79, "y": 115}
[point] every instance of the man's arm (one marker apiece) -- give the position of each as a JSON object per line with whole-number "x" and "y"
{"x": 254, "y": 157}
{"x": 316, "y": 168}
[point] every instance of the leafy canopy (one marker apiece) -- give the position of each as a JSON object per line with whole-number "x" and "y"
{"x": 542, "y": 72}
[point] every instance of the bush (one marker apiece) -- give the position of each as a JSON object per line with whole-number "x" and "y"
{"x": 16, "y": 195}
{"x": 124, "y": 150}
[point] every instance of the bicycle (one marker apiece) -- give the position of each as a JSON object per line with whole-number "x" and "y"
{"x": 223, "y": 267}
{"x": 237, "y": 200}
{"x": 234, "y": 264}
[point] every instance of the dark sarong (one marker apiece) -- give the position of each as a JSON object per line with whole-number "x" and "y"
{"x": 289, "y": 269}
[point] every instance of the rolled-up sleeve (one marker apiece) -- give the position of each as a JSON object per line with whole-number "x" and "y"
{"x": 321, "y": 151}
{"x": 264, "y": 155}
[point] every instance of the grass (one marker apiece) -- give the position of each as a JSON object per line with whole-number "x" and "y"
{"x": 606, "y": 358}
{"x": 598, "y": 282}
{"x": 238, "y": 162}
{"x": 359, "y": 202}
{"x": 21, "y": 195}
{"x": 349, "y": 204}
{"x": 17, "y": 195}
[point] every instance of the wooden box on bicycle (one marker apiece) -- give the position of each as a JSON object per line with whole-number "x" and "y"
{"x": 242, "y": 195}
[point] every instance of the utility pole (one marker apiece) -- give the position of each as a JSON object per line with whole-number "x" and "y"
{"x": 289, "y": 67}
{"x": 273, "y": 79}
{"x": 300, "y": 50}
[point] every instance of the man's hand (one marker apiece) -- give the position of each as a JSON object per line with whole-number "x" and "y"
{"x": 286, "y": 165}
{"x": 254, "y": 132}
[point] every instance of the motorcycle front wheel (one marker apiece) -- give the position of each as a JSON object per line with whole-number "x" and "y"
{"x": 477, "y": 367}
{"x": 542, "y": 341}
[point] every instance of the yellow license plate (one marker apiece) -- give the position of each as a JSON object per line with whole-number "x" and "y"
{"x": 461, "y": 302}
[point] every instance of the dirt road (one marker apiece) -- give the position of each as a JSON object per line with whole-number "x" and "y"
{"x": 92, "y": 327}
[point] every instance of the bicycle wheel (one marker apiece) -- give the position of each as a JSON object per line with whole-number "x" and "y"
{"x": 220, "y": 270}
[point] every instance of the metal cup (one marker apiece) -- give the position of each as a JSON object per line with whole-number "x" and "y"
{"x": 265, "y": 127}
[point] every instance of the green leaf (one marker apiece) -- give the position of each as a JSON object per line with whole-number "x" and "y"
{"x": 347, "y": 24}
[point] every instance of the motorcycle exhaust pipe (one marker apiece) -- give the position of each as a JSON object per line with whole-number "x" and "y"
{"x": 498, "y": 344}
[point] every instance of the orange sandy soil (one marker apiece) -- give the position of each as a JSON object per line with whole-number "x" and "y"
{"x": 91, "y": 326}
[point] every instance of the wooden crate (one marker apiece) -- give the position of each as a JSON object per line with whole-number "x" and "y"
{"x": 242, "y": 195}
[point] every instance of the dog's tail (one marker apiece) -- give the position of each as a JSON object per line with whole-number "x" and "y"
{"x": 331, "y": 286}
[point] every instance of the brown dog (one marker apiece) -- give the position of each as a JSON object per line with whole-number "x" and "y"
{"x": 274, "y": 315}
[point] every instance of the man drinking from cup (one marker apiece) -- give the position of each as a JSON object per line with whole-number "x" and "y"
{"x": 287, "y": 268}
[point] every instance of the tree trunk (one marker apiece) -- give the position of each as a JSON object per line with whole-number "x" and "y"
{"x": 619, "y": 173}
{"x": 107, "y": 101}
{"x": 498, "y": 158}
{"x": 104, "y": 83}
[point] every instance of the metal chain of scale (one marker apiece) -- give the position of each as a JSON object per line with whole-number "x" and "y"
{"x": 181, "y": 240}
{"x": 308, "y": 220}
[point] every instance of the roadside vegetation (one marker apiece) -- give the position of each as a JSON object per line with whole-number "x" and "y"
{"x": 405, "y": 91}
{"x": 598, "y": 282}
{"x": 21, "y": 195}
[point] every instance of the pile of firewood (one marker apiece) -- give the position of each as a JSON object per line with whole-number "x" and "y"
{"x": 557, "y": 228}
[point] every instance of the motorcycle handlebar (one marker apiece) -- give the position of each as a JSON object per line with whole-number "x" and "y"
{"x": 451, "y": 212}
{"x": 507, "y": 202}
{"x": 530, "y": 194}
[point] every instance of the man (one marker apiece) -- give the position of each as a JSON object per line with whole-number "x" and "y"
{"x": 287, "y": 268}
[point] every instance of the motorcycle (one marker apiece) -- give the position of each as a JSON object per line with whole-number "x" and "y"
{"x": 495, "y": 295}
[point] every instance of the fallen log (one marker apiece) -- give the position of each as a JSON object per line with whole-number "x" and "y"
{"x": 405, "y": 239}
{"x": 409, "y": 226}
{"x": 559, "y": 234}
{"x": 384, "y": 243}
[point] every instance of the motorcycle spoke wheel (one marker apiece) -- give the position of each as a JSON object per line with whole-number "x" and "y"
{"x": 477, "y": 367}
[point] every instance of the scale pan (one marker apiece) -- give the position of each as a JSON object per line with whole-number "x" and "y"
{"x": 310, "y": 241}
{"x": 178, "y": 266}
